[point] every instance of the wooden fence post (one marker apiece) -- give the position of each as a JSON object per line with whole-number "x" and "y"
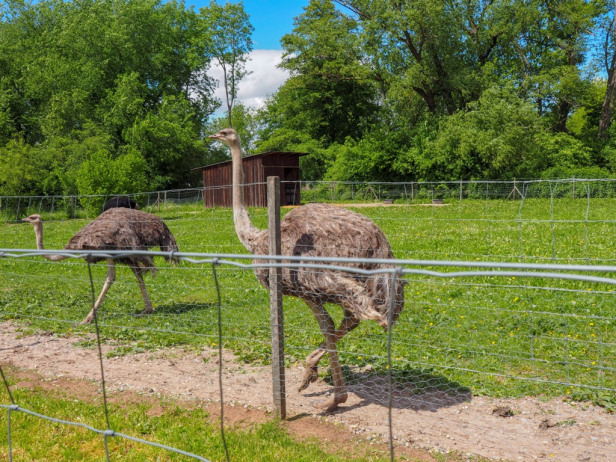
{"x": 275, "y": 280}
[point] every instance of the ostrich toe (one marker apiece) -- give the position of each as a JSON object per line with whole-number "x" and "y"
{"x": 311, "y": 374}
{"x": 332, "y": 404}
{"x": 88, "y": 320}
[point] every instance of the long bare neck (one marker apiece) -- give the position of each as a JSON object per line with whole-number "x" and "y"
{"x": 246, "y": 231}
{"x": 38, "y": 230}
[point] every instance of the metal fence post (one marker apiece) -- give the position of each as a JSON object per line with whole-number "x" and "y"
{"x": 275, "y": 279}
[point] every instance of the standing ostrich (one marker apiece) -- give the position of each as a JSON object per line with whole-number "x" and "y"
{"x": 117, "y": 229}
{"x": 322, "y": 230}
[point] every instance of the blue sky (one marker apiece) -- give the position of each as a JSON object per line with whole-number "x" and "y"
{"x": 271, "y": 20}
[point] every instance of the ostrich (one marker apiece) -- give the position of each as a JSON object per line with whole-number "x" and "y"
{"x": 117, "y": 229}
{"x": 322, "y": 230}
{"x": 120, "y": 201}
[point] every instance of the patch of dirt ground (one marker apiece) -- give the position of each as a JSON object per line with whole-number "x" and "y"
{"x": 499, "y": 429}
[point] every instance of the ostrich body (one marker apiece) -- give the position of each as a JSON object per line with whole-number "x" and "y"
{"x": 322, "y": 230}
{"x": 120, "y": 201}
{"x": 117, "y": 229}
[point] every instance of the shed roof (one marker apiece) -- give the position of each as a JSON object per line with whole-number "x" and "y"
{"x": 262, "y": 155}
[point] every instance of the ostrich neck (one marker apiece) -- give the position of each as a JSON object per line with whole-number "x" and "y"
{"x": 38, "y": 230}
{"x": 246, "y": 231}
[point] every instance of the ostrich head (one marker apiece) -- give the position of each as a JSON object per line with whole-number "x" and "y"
{"x": 227, "y": 136}
{"x": 33, "y": 219}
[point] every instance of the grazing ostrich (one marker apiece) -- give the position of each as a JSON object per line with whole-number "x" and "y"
{"x": 117, "y": 229}
{"x": 322, "y": 230}
{"x": 120, "y": 201}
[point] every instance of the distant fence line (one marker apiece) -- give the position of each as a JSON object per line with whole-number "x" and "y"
{"x": 456, "y": 326}
{"x": 12, "y": 207}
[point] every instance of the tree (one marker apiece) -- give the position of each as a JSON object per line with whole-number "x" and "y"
{"x": 607, "y": 108}
{"x": 551, "y": 44}
{"x": 18, "y": 168}
{"x": 168, "y": 141}
{"x": 439, "y": 51}
{"x": 329, "y": 95}
{"x": 231, "y": 44}
{"x": 501, "y": 136}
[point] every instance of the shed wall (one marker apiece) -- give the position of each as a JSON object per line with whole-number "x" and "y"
{"x": 217, "y": 180}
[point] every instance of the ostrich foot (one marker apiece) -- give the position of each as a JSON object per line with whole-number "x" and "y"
{"x": 88, "y": 320}
{"x": 332, "y": 404}
{"x": 310, "y": 375}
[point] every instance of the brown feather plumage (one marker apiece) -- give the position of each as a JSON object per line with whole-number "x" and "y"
{"x": 125, "y": 229}
{"x": 323, "y": 230}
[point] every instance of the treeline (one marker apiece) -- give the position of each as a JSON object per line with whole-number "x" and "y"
{"x": 112, "y": 96}
{"x": 447, "y": 90}
{"x": 108, "y": 96}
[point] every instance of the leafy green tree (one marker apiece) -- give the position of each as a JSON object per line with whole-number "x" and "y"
{"x": 376, "y": 157}
{"x": 168, "y": 140}
{"x": 551, "y": 43}
{"x": 609, "y": 100}
{"x": 460, "y": 89}
{"x": 231, "y": 44}
{"x": 329, "y": 94}
{"x": 19, "y": 168}
{"x": 436, "y": 52}
{"x": 103, "y": 174}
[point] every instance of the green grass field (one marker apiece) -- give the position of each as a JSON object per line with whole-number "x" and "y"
{"x": 499, "y": 336}
{"x": 186, "y": 426}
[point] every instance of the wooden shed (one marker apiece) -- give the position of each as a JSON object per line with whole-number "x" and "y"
{"x": 217, "y": 179}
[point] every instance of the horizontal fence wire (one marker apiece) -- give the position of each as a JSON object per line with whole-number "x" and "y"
{"x": 501, "y": 328}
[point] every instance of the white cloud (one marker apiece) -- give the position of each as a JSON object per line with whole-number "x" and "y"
{"x": 264, "y": 80}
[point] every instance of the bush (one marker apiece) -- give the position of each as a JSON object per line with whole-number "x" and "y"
{"x": 102, "y": 175}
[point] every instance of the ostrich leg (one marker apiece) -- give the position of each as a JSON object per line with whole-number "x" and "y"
{"x": 328, "y": 329}
{"x": 355, "y": 302}
{"x": 349, "y": 322}
{"x": 144, "y": 292}
{"x": 111, "y": 274}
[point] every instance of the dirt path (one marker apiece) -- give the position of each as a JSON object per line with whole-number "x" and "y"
{"x": 522, "y": 429}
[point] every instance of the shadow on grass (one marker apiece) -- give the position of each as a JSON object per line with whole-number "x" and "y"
{"x": 138, "y": 319}
{"x": 179, "y": 308}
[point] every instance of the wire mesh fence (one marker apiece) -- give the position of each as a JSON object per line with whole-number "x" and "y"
{"x": 509, "y": 294}
{"x": 467, "y": 328}
{"x": 566, "y": 221}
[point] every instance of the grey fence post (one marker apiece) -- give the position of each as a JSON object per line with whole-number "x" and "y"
{"x": 275, "y": 279}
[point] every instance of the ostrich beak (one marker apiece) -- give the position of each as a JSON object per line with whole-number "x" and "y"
{"x": 214, "y": 137}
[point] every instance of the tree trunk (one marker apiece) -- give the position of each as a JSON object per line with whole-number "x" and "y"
{"x": 563, "y": 109}
{"x": 608, "y": 103}
{"x": 610, "y": 93}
